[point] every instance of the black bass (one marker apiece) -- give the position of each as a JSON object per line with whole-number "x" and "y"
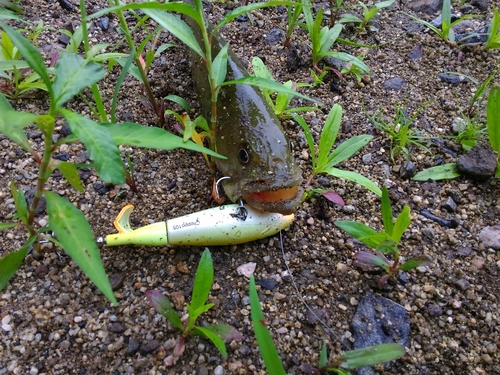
{"x": 259, "y": 164}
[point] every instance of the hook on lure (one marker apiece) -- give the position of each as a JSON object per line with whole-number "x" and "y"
{"x": 225, "y": 225}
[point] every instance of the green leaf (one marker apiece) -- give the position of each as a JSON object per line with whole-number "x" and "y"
{"x": 387, "y": 212}
{"x": 74, "y": 234}
{"x": 203, "y": 280}
{"x": 13, "y": 64}
{"x": 372, "y": 355}
{"x": 100, "y": 145}
{"x": 12, "y": 123}
{"x": 267, "y": 84}
{"x": 493, "y": 117}
{"x": 384, "y": 4}
{"x": 329, "y": 134}
{"x": 309, "y": 139}
{"x": 31, "y": 55}
{"x": 342, "y": 56}
{"x": 355, "y": 177}
{"x": 388, "y": 246}
{"x": 266, "y": 345}
{"x": 19, "y": 202}
{"x": 129, "y": 133}
{"x": 163, "y": 306}
{"x": 7, "y": 225}
{"x": 219, "y": 66}
{"x": 11, "y": 262}
{"x": 415, "y": 262}
{"x": 346, "y": 149}
{"x": 177, "y": 27}
{"x": 6, "y": 14}
{"x": 248, "y": 8}
{"x": 225, "y": 332}
{"x": 402, "y": 222}
{"x": 181, "y": 101}
{"x": 70, "y": 173}
{"x": 355, "y": 229}
{"x": 178, "y": 6}
{"x": 73, "y": 74}
{"x": 212, "y": 336}
{"x": 439, "y": 172}
{"x": 323, "y": 357}
{"x": 195, "y": 313}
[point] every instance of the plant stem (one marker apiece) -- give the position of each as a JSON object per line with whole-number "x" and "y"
{"x": 142, "y": 72}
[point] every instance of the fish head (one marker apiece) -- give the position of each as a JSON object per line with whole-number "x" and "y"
{"x": 261, "y": 168}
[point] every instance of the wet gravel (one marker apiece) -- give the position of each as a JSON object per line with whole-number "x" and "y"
{"x": 54, "y": 320}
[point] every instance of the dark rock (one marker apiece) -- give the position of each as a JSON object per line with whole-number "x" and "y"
{"x": 42, "y": 204}
{"x": 149, "y": 347}
{"x": 378, "y": 320}
{"x": 116, "y": 328}
{"x": 453, "y": 223}
{"x": 434, "y": 310}
{"x": 449, "y": 205}
{"x": 41, "y": 270}
{"x": 64, "y": 39}
{"x": 479, "y": 163}
{"x": 395, "y": 83}
{"x": 127, "y": 116}
{"x": 452, "y": 79}
{"x": 65, "y": 130}
{"x": 323, "y": 181}
{"x": 308, "y": 275}
{"x": 482, "y": 5}
{"x": 268, "y": 284}
{"x": 116, "y": 280}
{"x": 490, "y": 237}
{"x": 407, "y": 170}
{"x": 104, "y": 23}
{"x": 417, "y": 52}
{"x": 315, "y": 315}
{"x": 133, "y": 347}
{"x": 65, "y": 4}
{"x": 462, "y": 284}
{"x": 293, "y": 59}
{"x": 63, "y": 157}
{"x": 101, "y": 188}
{"x": 34, "y": 134}
{"x": 242, "y": 18}
{"x": 425, "y": 6}
{"x": 274, "y": 36}
{"x": 334, "y": 63}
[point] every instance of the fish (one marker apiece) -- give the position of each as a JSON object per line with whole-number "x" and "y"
{"x": 260, "y": 168}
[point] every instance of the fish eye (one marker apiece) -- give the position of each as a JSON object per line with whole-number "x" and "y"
{"x": 243, "y": 155}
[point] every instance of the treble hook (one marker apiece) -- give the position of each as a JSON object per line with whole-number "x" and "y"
{"x": 217, "y": 184}
{"x": 241, "y": 212}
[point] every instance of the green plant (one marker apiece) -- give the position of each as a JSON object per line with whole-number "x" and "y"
{"x": 368, "y": 13}
{"x": 201, "y": 289}
{"x": 446, "y": 31}
{"x": 470, "y": 131}
{"x": 72, "y": 74}
{"x": 353, "y": 359}
{"x": 322, "y": 40}
{"x": 283, "y": 99}
{"x": 293, "y": 14}
{"x": 16, "y": 77}
{"x": 385, "y": 242}
{"x": 401, "y": 131}
{"x": 216, "y": 66}
{"x": 324, "y": 159}
{"x": 354, "y": 69}
{"x": 493, "y": 40}
{"x": 447, "y": 171}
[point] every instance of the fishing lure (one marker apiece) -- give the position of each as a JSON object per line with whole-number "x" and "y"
{"x": 225, "y": 225}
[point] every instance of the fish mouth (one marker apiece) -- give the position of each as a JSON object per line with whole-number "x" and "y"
{"x": 283, "y": 200}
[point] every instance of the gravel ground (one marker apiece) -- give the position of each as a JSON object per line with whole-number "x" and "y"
{"x": 54, "y": 321}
